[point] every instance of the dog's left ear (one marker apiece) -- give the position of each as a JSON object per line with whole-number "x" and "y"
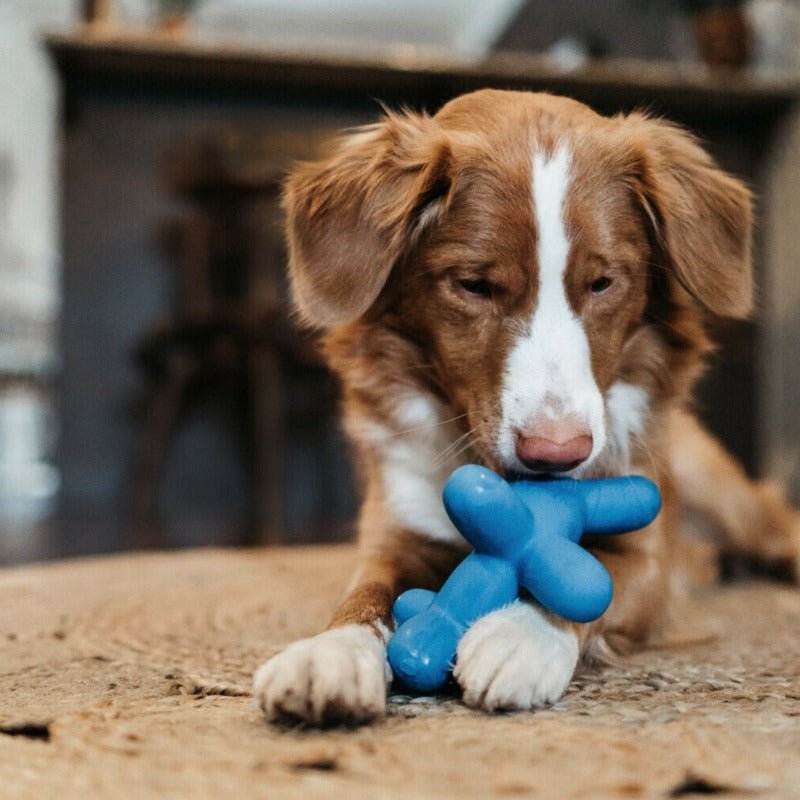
{"x": 702, "y": 217}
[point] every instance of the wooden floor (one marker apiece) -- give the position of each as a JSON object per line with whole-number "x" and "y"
{"x": 129, "y": 677}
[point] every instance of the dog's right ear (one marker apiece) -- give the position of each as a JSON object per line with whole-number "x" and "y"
{"x": 701, "y": 217}
{"x": 351, "y": 217}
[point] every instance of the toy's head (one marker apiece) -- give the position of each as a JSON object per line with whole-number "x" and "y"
{"x": 525, "y": 535}
{"x": 537, "y": 526}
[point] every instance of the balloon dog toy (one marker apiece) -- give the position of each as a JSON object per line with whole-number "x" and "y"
{"x": 525, "y": 534}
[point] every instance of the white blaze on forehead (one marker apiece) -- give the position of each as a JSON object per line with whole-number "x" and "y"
{"x": 548, "y": 373}
{"x": 550, "y": 184}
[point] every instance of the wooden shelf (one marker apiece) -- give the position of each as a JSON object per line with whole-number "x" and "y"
{"x": 134, "y": 102}
{"x": 137, "y": 59}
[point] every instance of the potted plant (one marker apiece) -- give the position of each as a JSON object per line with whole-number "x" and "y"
{"x": 721, "y": 30}
{"x": 173, "y": 15}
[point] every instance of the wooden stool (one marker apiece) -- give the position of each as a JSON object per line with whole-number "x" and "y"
{"x": 230, "y": 321}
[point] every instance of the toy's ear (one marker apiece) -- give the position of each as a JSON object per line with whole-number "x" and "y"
{"x": 618, "y": 505}
{"x": 352, "y": 217}
{"x": 702, "y": 217}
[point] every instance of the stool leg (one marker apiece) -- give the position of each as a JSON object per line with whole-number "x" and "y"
{"x": 264, "y": 268}
{"x": 159, "y": 426}
{"x": 269, "y": 445}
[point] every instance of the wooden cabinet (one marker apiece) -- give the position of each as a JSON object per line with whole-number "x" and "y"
{"x": 128, "y": 103}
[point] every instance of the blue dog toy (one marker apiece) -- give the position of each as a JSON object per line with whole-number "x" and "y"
{"x": 525, "y": 534}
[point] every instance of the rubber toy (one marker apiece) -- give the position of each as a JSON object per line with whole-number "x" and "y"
{"x": 527, "y": 535}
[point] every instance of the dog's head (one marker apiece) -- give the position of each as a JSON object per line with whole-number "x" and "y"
{"x": 550, "y": 265}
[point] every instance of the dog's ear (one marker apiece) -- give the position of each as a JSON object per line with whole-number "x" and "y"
{"x": 702, "y": 217}
{"x": 351, "y": 217}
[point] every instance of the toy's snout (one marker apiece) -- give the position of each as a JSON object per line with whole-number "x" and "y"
{"x": 422, "y": 648}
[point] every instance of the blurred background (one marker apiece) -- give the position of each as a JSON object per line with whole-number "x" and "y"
{"x": 153, "y": 392}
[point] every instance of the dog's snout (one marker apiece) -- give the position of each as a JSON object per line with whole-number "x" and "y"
{"x": 554, "y": 446}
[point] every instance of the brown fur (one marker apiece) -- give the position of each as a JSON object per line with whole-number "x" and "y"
{"x": 380, "y": 236}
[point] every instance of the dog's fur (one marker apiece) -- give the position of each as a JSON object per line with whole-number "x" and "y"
{"x": 514, "y": 277}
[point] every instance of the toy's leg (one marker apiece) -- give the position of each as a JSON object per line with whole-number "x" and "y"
{"x": 753, "y": 518}
{"x": 342, "y": 673}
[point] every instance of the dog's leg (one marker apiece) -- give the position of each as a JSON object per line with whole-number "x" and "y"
{"x": 517, "y": 657}
{"x": 753, "y": 518}
{"x": 342, "y": 673}
{"x": 522, "y": 657}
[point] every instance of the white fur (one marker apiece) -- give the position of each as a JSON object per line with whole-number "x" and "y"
{"x": 515, "y": 658}
{"x": 339, "y": 674}
{"x": 627, "y": 407}
{"x": 418, "y": 452}
{"x": 548, "y": 373}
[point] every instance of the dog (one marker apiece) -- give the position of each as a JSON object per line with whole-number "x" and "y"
{"x": 520, "y": 282}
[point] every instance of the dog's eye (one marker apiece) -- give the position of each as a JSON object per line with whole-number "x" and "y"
{"x": 599, "y": 285}
{"x": 479, "y": 287}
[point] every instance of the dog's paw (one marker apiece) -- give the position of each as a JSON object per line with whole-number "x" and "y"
{"x": 515, "y": 658}
{"x": 337, "y": 676}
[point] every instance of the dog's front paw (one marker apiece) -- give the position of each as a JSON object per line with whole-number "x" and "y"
{"x": 338, "y": 676}
{"x": 515, "y": 658}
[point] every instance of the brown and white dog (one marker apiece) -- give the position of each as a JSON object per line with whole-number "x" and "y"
{"x": 520, "y": 282}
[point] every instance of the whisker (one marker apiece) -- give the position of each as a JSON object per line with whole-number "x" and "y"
{"x": 657, "y": 460}
{"x": 427, "y": 426}
{"x": 452, "y": 447}
{"x": 466, "y": 445}
{"x": 459, "y": 445}
{"x": 455, "y": 442}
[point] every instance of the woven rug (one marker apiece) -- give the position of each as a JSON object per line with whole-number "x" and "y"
{"x": 129, "y": 677}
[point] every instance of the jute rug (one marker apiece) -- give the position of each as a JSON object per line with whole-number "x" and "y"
{"x": 129, "y": 677}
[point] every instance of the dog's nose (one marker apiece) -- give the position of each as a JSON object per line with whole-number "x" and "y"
{"x": 554, "y": 446}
